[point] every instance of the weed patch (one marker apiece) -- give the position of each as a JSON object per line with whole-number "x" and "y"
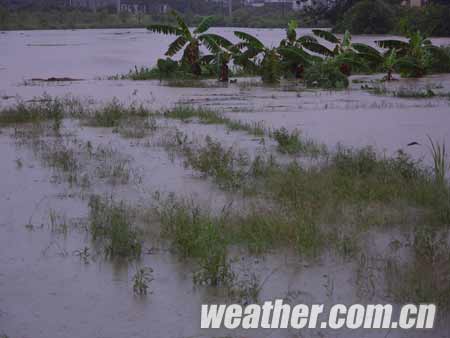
{"x": 295, "y": 143}
{"x": 141, "y": 280}
{"x": 113, "y": 113}
{"x": 111, "y": 224}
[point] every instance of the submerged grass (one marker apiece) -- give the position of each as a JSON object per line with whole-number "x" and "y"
{"x": 111, "y": 225}
{"x": 38, "y": 110}
{"x": 190, "y": 228}
{"x": 295, "y": 143}
{"x": 197, "y": 235}
{"x": 347, "y": 177}
{"x": 425, "y": 277}
{"x": 141, "y": 280}
{"x": 439, "y": 154}
{"x": 113, "y": 113}
{"x": 209, "y": 116}
{"x": 292, "y": 143}
{"x": 226, "y": 165}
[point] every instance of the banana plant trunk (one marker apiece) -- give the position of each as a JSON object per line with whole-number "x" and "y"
{"x": 192, "y": 56}
{"x": 389, "y": 75}
{"x": 224, "y": 72}
{"x": 345, "y": 69}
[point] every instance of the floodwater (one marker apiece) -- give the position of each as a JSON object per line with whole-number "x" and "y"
{"x": 47, "y": 291}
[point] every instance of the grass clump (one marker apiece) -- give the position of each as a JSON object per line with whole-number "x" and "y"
{"x": 263, "y": 229}
{"x": 113, "y": 166}
{"x": 111, "y": 225}
{"x": 195, "y": 232}
{"x": 208, "y": 116}
{"x": 253, "y": 128}
{"x": 113, "y": 113}
{"x": 35, "y": 111}
{"x": 294, "y": 143}
{"x": 425, "y": 278}
{"x": 200, "y": 236}
{"x": 416, "y": 94}
{"x": 227, "y": 166}
{"x": 137, "y": 127}
{"x": 439, "y": 154}
{"x": 38, "y": 110}
{"x": 141, "y": 280}
{"x": 184, "y": 113}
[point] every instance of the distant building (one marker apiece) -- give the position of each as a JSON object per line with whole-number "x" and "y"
{"x": 142, "y": 6}
{"x": 296, "y": 5}
{"x": 303, "y": 5}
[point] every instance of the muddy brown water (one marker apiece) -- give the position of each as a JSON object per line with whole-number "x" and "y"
{"x": 46, "y": 291}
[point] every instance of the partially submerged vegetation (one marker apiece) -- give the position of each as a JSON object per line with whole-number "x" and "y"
{"x": 141, "y": 280}
{"x": 311, "y": 207}
{"x": 301, "y": 57}
{"x": 111, "y": 226}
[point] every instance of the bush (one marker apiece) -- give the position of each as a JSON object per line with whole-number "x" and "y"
{"x": 167, "y": 67}
{"x": 325, "y": 75}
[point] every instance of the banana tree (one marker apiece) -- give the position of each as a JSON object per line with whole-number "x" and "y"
{"x": 342, "y": 53}
{"x": 318, "y": 48}
{"x": 293, "y": 56}
{"x": 388, "y": 62}
{"x": 292, "y": 40}
{"x": 417, "y": 51}
{"x": 189, "y": 40}
{"x": 296, "y": 59}
{"x": 254, "y": 56}
{"x": 219, "y": 58}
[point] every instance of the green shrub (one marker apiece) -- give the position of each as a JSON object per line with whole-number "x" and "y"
{"x": 167, "y": 67}
{"x": 325, "y": 75}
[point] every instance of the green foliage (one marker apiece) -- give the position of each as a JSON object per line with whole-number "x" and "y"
{"x": 208, "y": 116}
{"x": 190, "y": 41}
{"x": 270, "y": 67}
{"x": 141, "y": 280}
{"x": 325, "y": 75}
{"x": 227, "y": 166}
{"x": 326, "y": 35}
{"x": 294, "y": 143}
{"x": 425, "y": 278}
{"x": 431, "y": 19}
{"x": 417, "y": 56}
{"x": 184, "y": 113}
{"x": 440, "y": 62}
{"x": 113, "y": 113}
{"x": 39, "y": 110}
{"x": 167, "y": 67}
{"x": 439, "y": 154}
{"x": 369, "y": 17}
{"x": 197, "y": 235}
{"x": 111, "y": 225}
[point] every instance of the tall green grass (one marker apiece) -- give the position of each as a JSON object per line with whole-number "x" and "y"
{"x": 111, "y": 226}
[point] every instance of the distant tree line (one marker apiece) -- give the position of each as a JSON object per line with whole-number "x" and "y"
{"x": 356, "y": 16}
{"x": 382, "y": 16}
